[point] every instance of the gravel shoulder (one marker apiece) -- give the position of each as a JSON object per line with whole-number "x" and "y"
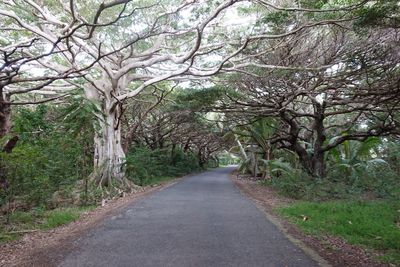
{"x": 336, "y": 251}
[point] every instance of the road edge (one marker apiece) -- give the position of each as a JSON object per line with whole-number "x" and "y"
{"x": 59, "y": 241}
{"x": 277, "y": 222}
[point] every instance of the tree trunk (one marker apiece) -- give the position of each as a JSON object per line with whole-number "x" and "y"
{"x": 318, "y": 165}
{"x": 5, "y": 116}
{"x": 266, "y": 156}
{"x": 109, "y": 156}
{"x": 314, "y": 164}
{"x": 173, "y": 157}
{"x": 187, "y": 146}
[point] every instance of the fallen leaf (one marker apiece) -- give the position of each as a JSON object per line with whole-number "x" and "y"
{"x": 305, "y": 218}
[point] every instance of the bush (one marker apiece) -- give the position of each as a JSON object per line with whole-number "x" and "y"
{"x": 376, "y": 181}
{"x": 43, "y": 162}
{"x": 145, "y": 166}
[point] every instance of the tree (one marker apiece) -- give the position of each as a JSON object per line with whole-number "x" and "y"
{"x": 351, "y": 92}
{"x": 322, "y": 72}
{"x": 15, "y": 80}
{"x": 120, "y": 48}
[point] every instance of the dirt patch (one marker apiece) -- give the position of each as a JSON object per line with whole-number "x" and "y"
{"x": 47, "y": 248}
{"x": 336, "y": 251}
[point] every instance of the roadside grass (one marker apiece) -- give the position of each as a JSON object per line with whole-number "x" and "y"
{"x": 22, "y": 222}
{"x": 165, "y": 178}
{"x": 158, "y": 180}
{"x": 372, "y": 224}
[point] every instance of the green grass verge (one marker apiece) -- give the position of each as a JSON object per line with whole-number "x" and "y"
{"x": 372, "y": 224}
{"x": 159, "y": 179}
{"x": 37, "y": 219}
{"x": 164, "y": 178}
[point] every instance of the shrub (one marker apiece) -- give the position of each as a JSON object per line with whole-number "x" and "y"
{"x": 145, "y": 166}
{"x": 47, "y": 158}
{"x": 376, "y": 181}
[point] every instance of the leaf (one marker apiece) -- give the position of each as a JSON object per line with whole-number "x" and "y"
{"x": 333, "y": 140}
{"x": 365, "y": 147}
{"x": 305, "y": 218}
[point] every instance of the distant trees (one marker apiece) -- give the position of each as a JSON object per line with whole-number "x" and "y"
{"x": 157, "y": 121}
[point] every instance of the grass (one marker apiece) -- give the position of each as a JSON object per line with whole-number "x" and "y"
{"x": 159, "y": 179}
{"x": 38, "y": 219}
{"x": 372, "y": 224}
{"x": 59, "y": 217}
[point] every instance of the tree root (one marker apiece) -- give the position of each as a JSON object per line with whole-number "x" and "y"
{"x": 111, "y": 185}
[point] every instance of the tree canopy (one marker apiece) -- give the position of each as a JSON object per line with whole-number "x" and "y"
{"x": 205, "y": 76}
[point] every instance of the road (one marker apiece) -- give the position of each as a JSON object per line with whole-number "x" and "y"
{"x": 202, "y": 220}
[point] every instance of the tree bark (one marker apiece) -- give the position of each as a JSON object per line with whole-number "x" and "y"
{"x": 313, "y": 163}
{"x": 5, "y": 115}
{"x": 318, "y": 165}
{"x": 109, "y": 156}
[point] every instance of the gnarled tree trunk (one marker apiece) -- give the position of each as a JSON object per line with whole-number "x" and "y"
{"x": 5, "y": 115}
{"x": 109, "y": 156}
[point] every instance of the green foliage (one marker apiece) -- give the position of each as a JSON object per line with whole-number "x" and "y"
{"x": 277, "y": 18}
{"x": 261, "y": 131}
{"x": 391, "y": 154}
{"x": 145, "y": 166}
{"x": 314, "y": 4}
{"x": 296, "y": 183}
{"x": 355, "y": 170}
{"x": 197, "y": 99}
{"x": 372, "y": 224}
{"x": 370, "y": 179}
{"x": 245, "y": 165}
{"x": 225, "y": 158}
{"x": 80, "y": 114}
{"x": 351, "y": 164}
{"x": 31, "y": 124}
{"x": 49, "y": 157}
{"x": 299, "y": 185}
{"x": 38, "y": 218}
{"x": 379, "y": 13}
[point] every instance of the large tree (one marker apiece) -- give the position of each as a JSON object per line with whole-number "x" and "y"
{"x": 120, "y": 48}
{"x": 334, "y": 84}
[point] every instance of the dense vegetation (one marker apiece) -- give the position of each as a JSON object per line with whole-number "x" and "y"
{"x": 51, "y": 165}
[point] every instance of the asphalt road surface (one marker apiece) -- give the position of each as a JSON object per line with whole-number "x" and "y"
{"x": 201, "y": 221}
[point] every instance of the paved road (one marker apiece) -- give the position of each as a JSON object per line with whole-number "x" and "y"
{"x": 200, "y": 221}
